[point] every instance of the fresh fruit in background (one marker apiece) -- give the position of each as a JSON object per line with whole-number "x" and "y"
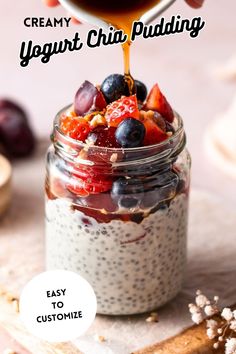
{"x": 104, "y": 136}
{"x": 141, "y": 90}
{"x": 75, "y": 127}
{"x": 88, "y": 99}
{"x": 113, "y": 87}
{"x": 15, "y": 134}
{"x": 130, "y": 133}
{"x": 7, "y": 104}
{"x": 125, "y": 107}
{"x": 156, "y": 101}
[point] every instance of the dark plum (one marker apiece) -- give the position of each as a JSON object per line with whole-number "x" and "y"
{"x": 113, "y": 87}
{"x": 141, "y": 90}
{"x": 130, "y": 133}
{"x": 7, "y": 104}
{"x": 160, "y": 121}
{"x": 88, "y": 99}
{"x": 169, "y": 127}
{"x": 128, "y": 193}
{"x": 156, "y": 101}
{"x": 15, "y": 134}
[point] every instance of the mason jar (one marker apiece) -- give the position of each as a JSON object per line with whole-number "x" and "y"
{"x": 118, "y": 217}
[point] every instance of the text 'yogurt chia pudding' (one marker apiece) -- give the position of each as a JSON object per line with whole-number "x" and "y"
{"x": 117, "y": 195}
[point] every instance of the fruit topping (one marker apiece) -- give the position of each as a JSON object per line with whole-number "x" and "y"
{"x": 125, "y": 107}
{"x": 104, "y": 136}
{"x": 160, "y": 121}
{"x": 88, "y": 99}
{"x": 96, "y": 120}
{"x": 156, "y": 101}
{"x": 154, "y": 134}
{"x": 58, "y": 188}
{"x": 75, "y": 127}
{"x": 7, "y": 104}
{"x": 125, "y": 122}
{"x": 113, "y": 87}
{"x": 15, "y": 134}
{"x": 169, "y": 127}
{"x": 130, "y": 133}
{"x": 84, "y": 182}
{"x": 128, "y": 193}
{"x": 141, "y": 90}
{"x": 154, "y": 116}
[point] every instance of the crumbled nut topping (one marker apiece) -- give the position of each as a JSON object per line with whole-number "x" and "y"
{"x": 99, "y": 338}
{"x": 153, "y": 317}
{"x": 8, "y": 351}
{"x": 114, "y": 157}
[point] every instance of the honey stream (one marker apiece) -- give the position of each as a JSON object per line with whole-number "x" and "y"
{"x": 121, "y": 14}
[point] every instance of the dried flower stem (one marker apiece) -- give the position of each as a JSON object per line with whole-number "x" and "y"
{"x": 216, "y": 330}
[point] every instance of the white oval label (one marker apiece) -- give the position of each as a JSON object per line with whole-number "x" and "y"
{"x": 58, "y": 306}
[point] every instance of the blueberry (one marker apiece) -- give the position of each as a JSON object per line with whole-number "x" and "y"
{"x": 150, "y": 199}
{"x": 159, "y": 189}
{"x": 128, "y": 193}
{"x": 141, "y": 90}
{"x": 130, "y": 133}
{"x": 113, "y": 87}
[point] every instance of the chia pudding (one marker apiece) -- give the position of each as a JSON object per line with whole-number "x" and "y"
{"x": 117, "y": 198}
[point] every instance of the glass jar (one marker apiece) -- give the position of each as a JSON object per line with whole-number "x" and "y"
{"x": 118, "y": 217}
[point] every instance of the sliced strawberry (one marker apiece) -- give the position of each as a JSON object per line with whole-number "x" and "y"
{"x": 75, "y": 127}
{"x": 85, "y": 187}
{"x": 76, "y": 186}
{"x": 156, "y": 101}
{"x": 125, "y": 107}
{"x": 85, "y": 181}
{"x": 154, "y": 134}
{"x": 58, "y": 188}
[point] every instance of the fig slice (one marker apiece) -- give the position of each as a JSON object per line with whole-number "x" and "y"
{"x": 88, "y": 99}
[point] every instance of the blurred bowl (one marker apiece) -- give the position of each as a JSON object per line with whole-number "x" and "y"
{"x": 5, "y": 184}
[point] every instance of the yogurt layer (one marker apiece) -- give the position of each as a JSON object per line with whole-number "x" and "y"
{"x": 133, "y": 268}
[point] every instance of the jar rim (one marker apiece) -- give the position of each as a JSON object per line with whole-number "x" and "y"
{"x": 81, "y": 145}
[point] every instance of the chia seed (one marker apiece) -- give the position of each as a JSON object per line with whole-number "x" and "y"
{"x": 141, "y": 269}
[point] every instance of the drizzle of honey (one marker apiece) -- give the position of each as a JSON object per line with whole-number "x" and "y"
{"x": 121, "y": 14}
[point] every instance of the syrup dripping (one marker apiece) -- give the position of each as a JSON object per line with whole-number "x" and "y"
{"x": 121, "y": 14}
